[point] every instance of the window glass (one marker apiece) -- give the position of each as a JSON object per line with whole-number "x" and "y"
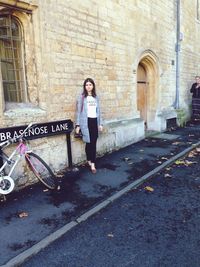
{"x": 11, "y": 59}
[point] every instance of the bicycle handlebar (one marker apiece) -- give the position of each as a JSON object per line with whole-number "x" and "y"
{"x": 16, "y": 139}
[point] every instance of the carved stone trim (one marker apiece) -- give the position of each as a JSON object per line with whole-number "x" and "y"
{"x": 24, "y": 6}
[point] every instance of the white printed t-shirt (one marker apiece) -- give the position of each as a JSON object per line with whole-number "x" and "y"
{"x": 91, "y": 107}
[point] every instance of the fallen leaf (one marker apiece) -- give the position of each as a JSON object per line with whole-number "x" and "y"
{"x": 148, "y": 188}
{"x": 184, "y": 162}
{"x": 59, "y": 175}
{"x": 3, "y": 198}
{"x": 45, "y": 190}
{"x": 167, "y": 175}
{"x": 126, "y": 159}
{"x": 191, "y": 154}
{"x": 187, "y": 162}
{"x": 164, "y": 158}
{"x": 110, "y": 235}
{"x": 176, "y": 143}
{"x": 179, "y": 162}
{"x": 198, "y": 149}
{"x": 159, "y": 162}
{"x": 23, "y": 214}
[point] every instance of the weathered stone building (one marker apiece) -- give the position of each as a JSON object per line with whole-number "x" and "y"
{"x": 48, "y": 48}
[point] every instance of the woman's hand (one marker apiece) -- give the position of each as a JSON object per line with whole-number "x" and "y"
{"x": 77, "y": 129}
{"x": 101, "y": 128}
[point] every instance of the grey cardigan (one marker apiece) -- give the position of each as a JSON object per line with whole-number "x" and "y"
{"x": 82, "y": 118}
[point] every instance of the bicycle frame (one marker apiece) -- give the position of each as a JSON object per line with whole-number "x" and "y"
{"x": 20, "y": 150}
{"x": 41, "y": 170}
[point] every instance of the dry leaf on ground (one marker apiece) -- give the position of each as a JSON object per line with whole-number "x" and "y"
{"x": 149, "y": 188}
{"x": 176, "y": 143}
{"x": 110, "y": 235}
{"x": 198, "y": 149}
{"x": 126, "y": 159}
{"x": 23, "y": 214}
{"x": 167, "y": 175}
{"x": 192, "y": 154}
{"x": 184, "y": 162}
{"x": 187, "y": 162}
{"x": 179, "y": 162}
{"x": 59, "y": 175}
{"x": 45, "y": 190}
{"x": 164, "y": 158}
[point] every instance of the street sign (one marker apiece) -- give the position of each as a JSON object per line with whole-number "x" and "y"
{"x": 38, "y": 130}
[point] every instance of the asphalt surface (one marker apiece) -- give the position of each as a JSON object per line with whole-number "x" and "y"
{"x": 32, "y": 214}
{"x": 154, "y": 225}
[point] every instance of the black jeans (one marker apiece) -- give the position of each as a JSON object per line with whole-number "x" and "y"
{"x": 90, "y": 148}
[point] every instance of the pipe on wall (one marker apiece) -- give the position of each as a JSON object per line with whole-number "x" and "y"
{"x": 178, "y": 49}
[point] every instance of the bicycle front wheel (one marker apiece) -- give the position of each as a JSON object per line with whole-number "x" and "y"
{"x": 6, "y": 185}
{"x": 41, "y": 170}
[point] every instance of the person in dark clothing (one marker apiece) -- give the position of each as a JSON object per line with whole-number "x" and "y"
{"x": 195, "y": 90}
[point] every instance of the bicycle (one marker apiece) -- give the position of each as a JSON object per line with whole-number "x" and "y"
{"x": 37, "y": 165}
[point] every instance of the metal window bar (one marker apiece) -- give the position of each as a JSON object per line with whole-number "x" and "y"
{"x": 14, "y": 63}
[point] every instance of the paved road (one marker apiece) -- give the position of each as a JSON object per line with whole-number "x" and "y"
{"x": 144, "y": 228}
{"x": 47, "y": 211}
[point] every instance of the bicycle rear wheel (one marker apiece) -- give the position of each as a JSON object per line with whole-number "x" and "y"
{"x": 41, "y": 170}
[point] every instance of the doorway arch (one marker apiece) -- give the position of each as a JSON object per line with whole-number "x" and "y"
{"x": 147, "y": 88}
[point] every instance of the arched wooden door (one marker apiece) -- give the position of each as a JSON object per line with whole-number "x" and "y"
{"x": 142, "y": 87}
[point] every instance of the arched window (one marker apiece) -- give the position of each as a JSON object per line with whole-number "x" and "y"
{"x": 11, "y": 59}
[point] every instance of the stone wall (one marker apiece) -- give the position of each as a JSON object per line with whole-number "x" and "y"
{"x": 68, "y": 41}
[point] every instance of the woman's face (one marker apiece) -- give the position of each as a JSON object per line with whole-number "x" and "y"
{"x": 89, "y": 87}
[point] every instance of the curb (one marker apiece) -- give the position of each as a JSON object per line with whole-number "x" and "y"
{"x": 22, "y": 257}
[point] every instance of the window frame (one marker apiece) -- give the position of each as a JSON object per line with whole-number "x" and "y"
{"x": 21, "y": 91}
{"x": 198, "y": 10}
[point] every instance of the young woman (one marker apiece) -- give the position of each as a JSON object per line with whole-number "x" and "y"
{"x": 88, "y": 120}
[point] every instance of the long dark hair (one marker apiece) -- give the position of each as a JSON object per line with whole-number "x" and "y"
{"x": 85, "y": 93}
